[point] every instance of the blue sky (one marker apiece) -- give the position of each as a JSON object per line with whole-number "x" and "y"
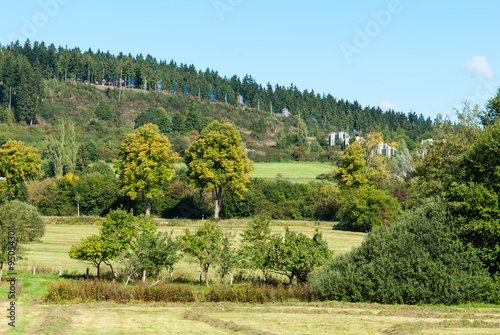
{"x": 420, "y": 55}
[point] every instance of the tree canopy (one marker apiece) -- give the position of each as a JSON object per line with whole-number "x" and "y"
{"x": 19, "y": 163}
{"x": 217, "y": 160}
{"x": 146, "y": 164}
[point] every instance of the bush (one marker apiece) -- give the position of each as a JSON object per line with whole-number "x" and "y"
{"x": 19, "y": 223}
{"x": 29, "y": 224}
{"x": 50, "y": 197}
{"x": 157, "y": 116}
{"x": 282, "y": 199}
{"x": 368, "y": 207}
{"x": 103, "y": 168}
{"x": 417, "y": 260}
{"x": 103, "y": 111}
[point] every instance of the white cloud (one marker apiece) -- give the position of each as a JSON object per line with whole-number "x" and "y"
{"x": 479, "y": 67}
{"x": 386, "y": 105}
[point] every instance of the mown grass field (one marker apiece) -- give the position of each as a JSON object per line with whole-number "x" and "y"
{"x": 296, "y": 171}
{"x": 34, "y": 316}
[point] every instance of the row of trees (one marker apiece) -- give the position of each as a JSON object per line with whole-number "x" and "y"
{"x": 141, "y": 250}
{"x": 216, "y": 161}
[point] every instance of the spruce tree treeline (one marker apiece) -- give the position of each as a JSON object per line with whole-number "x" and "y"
{"x": 64, "y": 64}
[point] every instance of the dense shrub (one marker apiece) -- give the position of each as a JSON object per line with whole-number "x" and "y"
{"x": 96, "y": 193}
{"x": 367, "y": 207}
{"x": 28, "y": 223}
{"x": 103, "y": 111}
{"x": 282, "y": 199}
{"x": 21, "y": 223}
{"x": 50, "y": 197}
{"x": 416, "y": 260}
{"x": 156, "y": 116}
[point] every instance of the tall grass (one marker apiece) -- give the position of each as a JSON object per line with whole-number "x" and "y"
{"x": 98, "y": 290}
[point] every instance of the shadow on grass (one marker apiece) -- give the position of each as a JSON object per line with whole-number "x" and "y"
{"x": 346, "y": 226}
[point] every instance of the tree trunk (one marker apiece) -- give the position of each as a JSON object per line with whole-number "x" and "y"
{"x": 128, "y": 278}
{"x": 206, "y": 278}
{"x": 216, "y": 212}
{"x": 217, "y": 195}
{"x": 148, "y": 206}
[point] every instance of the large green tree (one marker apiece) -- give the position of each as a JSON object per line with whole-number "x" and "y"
{"x": 492, "y": 112}
{"x": 146, "y": 164}
{"x": 61, "y": 149}
{"x": 18, "y": 163}
{"x": 367, "y": 207}
{"x": 217, "y": 160}
{"x": 30, "y": 90}
{"x": 352, "y": 167}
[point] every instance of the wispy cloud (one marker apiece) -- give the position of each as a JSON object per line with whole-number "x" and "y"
{"x": 479, "y": 67}
{"x": 386, "y": 105}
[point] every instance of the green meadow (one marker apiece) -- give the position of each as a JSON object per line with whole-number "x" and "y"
{"x": 294, "y": 171}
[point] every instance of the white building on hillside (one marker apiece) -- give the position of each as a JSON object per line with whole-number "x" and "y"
{"x": 385, "y": 149}
{"x": 341, "y": 137}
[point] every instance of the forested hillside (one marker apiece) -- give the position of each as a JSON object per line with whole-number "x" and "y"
{"x": 25, "y": 70}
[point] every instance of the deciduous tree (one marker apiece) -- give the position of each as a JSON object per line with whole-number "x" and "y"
{"x": 18, "y": 163}
{"x": 255, "y": 241}
{"x": 352, "y": 167}
{"x": 227, "y": 256}
{"x": 19, "y": 223}
{"x": 146, "y": 164}
{"x": 217, "y": 160}
{"x": 203, "y": 245}
{"x": 93, "y": 250}
{"x": 296, "y": 255}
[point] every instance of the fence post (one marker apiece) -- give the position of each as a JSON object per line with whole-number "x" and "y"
{"x": 87, "y": 272}
{"x": 144, "y": 275}
{"x": 200, "y": 280}
{"x": 171, "y": 275}
{"x": 34, "y": 270}
{"x": 60, "y": 271}
{"x": 231, "y": 279}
